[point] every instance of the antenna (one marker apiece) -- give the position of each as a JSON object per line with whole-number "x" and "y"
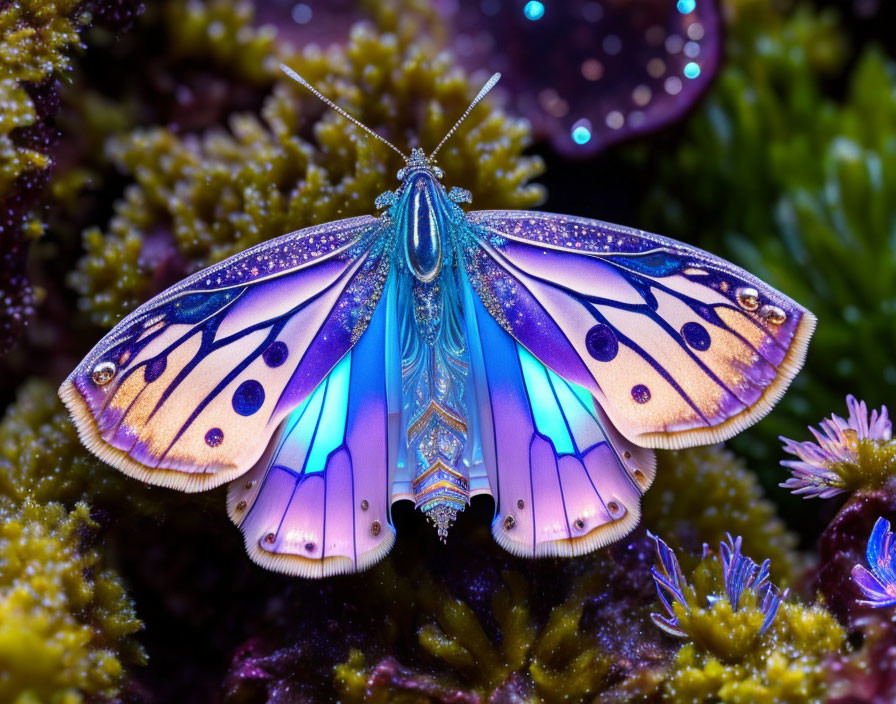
{"x": 482, "y": 93}
{"x": 298, "y": 79}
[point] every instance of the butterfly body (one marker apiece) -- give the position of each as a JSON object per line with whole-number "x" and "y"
{"x": 434, "y": 362}
{"x": 433, "y": 354}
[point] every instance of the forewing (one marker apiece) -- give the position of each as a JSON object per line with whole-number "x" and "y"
{"x": 187, "y": 390}
{"x": 564, "y": 481}
{"x": 679, "y": 347}
{"x": 317, "y": 502}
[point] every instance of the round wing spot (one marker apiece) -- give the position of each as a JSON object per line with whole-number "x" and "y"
{"x": 276, "y": 354}
{"x": 696, "y": 336}
{"x": 509, "y": 523}
{"x": 248, "y": 397}
{"x": 641, "y": 393}
{"x": 376, "y": 528}
{"x": 602, "y": 343}
{"x": 155, "y": 369}
{"x": 214, "y": 437}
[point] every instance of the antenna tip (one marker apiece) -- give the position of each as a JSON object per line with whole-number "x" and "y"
{"x": 292, "y": 74}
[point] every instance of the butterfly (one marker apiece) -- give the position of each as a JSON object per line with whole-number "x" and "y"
{"x": 433, "y": 354}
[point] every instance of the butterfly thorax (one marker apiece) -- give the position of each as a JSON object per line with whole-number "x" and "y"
{"x": 434, "y": 355}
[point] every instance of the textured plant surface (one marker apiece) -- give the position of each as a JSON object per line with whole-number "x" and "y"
{"x": 744, "y": 644}
{"x": 65, "y": 620}
{"x": 729, "y": 500}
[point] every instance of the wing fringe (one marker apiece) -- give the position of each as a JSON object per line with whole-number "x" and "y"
{"x": 298, "y": 566}
{"x": 89, "y": 434}
{"x": 787, "y": 370}
{"x": 597, "y": 538}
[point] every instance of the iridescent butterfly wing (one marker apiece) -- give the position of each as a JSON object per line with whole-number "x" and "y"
{"x": 676, "y": 347}
{"x": 189, "y": 390}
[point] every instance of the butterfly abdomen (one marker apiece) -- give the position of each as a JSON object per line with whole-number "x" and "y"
{"x": 435, "y": 366}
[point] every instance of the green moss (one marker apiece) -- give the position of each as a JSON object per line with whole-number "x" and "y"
{"x": 65, "y": 621}
{"x": 221, "y": 32}
{"x": 800, "y": 188}
{"x": 35, "y": 38}
{"x": 732, "y": 664}
{"x": 540, "y": 654}
{"x": 727, "y": 499}
{"x": 197, "y": 199}
{"x": 41, "y": 457}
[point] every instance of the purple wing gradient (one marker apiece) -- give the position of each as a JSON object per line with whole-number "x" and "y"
{"x": 317, "y": 502}
{"x": 564, "y": 481}
{"x": 187, "y": 390}
{"x": 678, "y": 347}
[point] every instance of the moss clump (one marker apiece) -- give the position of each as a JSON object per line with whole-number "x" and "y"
{"x": 728, "y": 499}
{"x": 41, "y": 457}
{"x": 65, "y": 621}
{"x": 35, "y": 37}
{"x": 743, "y": 647}
{"x": 787, "y": 664}
{"x": 199, "y": 198}
{"x": 515, "y": 638}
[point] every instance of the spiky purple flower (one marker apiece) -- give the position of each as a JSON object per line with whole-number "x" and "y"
{"x": 740, "y": 573}
{"x": 669, "y": 586}
{"x": 879, "y": 583}
{"x": 816, "y": 473}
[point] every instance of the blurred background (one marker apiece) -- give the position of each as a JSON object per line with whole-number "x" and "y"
{"x": 142, "y": 141}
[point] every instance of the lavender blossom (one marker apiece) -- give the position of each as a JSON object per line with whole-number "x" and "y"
{"x": 741, "y": 574}
{"x": 818, "y": 471}
{"x": 879, "y": 583}
{"x": 669, "y": 584}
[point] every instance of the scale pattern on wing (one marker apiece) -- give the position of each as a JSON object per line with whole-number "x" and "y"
{"x": 564, "y": 481}
{"x": 678, "y": 347}
{"x": 201, "y": 376}
{"x": 317, "y": 502}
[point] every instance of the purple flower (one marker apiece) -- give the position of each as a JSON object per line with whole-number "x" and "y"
{"x": 879, "y": 583}
{"x": 740, "y": 573}
{"x": 819, "y": 471}
{"x": 669, "y": 586}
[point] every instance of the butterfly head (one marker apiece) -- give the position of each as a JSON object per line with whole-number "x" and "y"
{"x": 418, "y": 163}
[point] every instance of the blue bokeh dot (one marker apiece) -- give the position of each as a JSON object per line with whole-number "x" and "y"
{"x": 534, "y": 10}
{"x": 691, "y": 69}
